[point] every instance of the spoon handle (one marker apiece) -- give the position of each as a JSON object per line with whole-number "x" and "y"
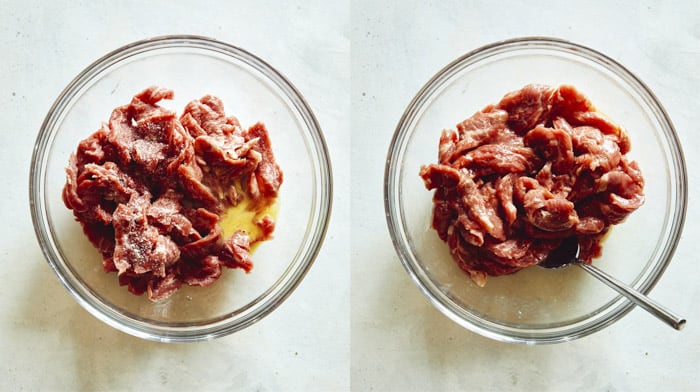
{"x": 635, "y": 296}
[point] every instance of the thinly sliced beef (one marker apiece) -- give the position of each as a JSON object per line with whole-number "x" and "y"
{"x": 548, "y": 212}
{"x": 95, "y": 149}
{"x": 597, "y": 120}
{"x": 201, "y": 272}
{"x": 594, "y": 150}
{"x": 107, "y": 182}
{"x": 267, "y": 226}
{"x": 498, "y": 159}
{"x": 478, "y": 209}
{"x": 189, "y": 178}
{"x": 235, "y": 252}
{"x": 440, "y": 176}
{"x": 139, "y": 247}
{"x": 590, "y": 225}
{"x": 504, "y": 192}
{"x": 159, "y": 288}
{"x": 511, "y": 249}
{"x": 70, "y": 191}
{"x": 515, "y": 179}
{"x": 207, "y": 114}
{"x": 528, "y": 107}
{"x": 553, "y": 145}
{"x": 567, "y": 101}
{"x": 479, "y": 129}
{"x": 267, "y": 174}
{"x": 149, "y": 189}
{"x": 470, "y": 231}
{"x": 166, "y": 214}
{"x": 209, "y": 244}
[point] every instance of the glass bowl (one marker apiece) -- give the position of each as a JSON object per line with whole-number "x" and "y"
{"x": 250, "y": 89}
{"x": 536, "y": 305}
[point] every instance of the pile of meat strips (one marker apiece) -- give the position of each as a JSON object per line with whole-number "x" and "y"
{"x": 149, "y": 189}
{"x": 518, "y": 177}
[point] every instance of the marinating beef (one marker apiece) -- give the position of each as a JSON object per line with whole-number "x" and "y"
{"x": 149, "y": 189}
{"x": 516, "y": 178}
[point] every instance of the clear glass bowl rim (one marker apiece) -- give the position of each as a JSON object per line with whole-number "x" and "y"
{"x": 264, "y": 304}
{"x": 392, "y": 182}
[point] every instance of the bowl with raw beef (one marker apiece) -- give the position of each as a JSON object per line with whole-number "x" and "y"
{"x": 511, "y": 149}
{"x": 180, "y": 188}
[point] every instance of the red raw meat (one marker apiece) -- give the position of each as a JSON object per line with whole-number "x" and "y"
{"x": 149, "y": 188}
{"x": 516, "y": 178}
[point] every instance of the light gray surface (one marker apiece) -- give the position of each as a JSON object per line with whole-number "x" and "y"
{"x": 399, "y": 341}
{"x": 357, "y": 321}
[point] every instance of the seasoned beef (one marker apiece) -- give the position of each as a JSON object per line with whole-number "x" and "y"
{"x": 516, "y": 178}
{"x": 528, "y": 107}
{"x": 149, "y": 189}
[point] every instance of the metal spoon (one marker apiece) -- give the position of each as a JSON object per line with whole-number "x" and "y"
{"x": 568, "y": 253}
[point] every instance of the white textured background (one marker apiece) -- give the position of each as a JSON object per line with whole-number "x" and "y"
{"x": 47, "y": 341}
{"x": 357, "y": 321}
{"x": 399, "y": 341}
